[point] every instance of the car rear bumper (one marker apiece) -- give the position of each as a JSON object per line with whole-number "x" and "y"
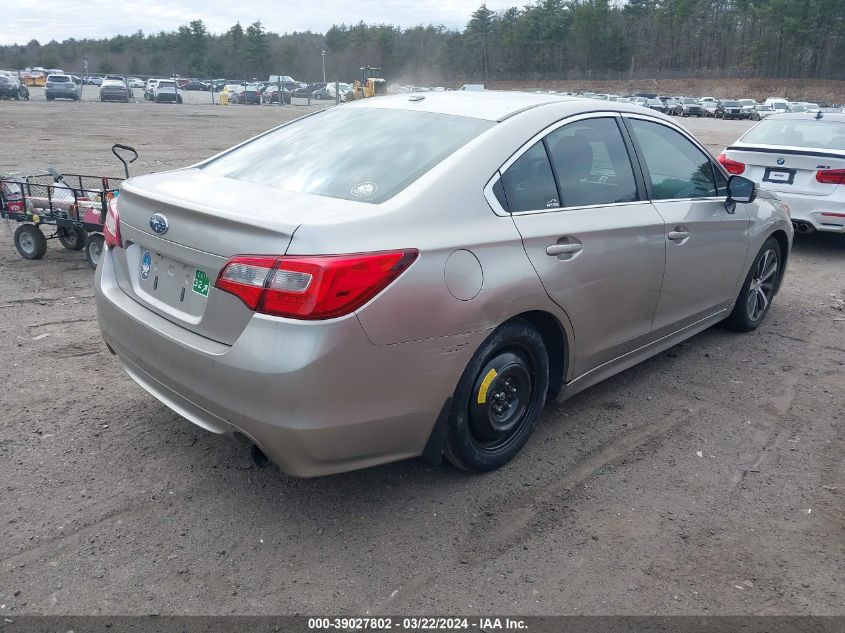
{"x": 812, "y": 209}
{"x": 61, "y": 94}
{"x": 316, "y": 397}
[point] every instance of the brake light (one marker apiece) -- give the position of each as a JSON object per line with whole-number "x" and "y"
{"x": 312, "y": 286}
{"x": 111, "y": 227}
{"x": 733, "y": 166}
{"x": 831, "y": 176}
{"x": 833, "y": 214}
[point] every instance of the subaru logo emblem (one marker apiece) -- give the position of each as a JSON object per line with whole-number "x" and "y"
{"x": 781, "y": 161}
{"x": 158, "y": 223}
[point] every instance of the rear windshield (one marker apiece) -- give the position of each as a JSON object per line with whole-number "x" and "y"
{"x": 166, "y": 84}
{"x": 730, "y": 104}
{"x": 58, "y": 78}
{"x": 801, "y": 133}
{"x": 693, "y": 101}
{"x": 364, "y": 154}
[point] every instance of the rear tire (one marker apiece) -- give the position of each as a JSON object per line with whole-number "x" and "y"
{"x": 72, "y": 238}
{"x": 758, "y": 290}
{"x": 94, "y": 249}
{"x": 30, "y": 242}
{"x": 498, "y": 399}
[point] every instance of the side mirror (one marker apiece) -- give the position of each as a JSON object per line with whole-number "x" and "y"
{"x": 741, "y": 190}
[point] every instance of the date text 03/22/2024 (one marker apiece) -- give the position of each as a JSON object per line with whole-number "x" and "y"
{"x": 416, "y": 624}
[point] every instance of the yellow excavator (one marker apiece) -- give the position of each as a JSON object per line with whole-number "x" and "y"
{"x": 371, "y": 84}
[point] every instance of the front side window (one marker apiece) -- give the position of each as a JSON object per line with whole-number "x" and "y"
{"x": 591, "y": 163}
{"x": 529, "y": 184}
{"x": 676, "y": 167}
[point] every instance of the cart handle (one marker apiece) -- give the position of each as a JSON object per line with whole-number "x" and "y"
{"x": 125, "y": 162}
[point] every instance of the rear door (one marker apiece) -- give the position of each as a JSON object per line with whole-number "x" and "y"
{"x": 706, "y": 246}
{"x": 596, "y": 244}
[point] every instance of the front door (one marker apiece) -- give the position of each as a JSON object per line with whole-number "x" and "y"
{"x": 706, "y": 245}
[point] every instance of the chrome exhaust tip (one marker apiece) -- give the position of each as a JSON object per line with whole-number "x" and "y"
{"x": 803, "y": 228}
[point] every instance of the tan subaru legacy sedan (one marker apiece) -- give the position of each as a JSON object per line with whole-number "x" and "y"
{"x": 420, "y": 274}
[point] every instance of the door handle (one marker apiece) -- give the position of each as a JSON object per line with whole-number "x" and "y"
{"x": 563, "y": 249}
{"x": 677, "y": 236}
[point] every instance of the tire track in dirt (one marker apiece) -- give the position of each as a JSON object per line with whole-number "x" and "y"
{"x": 516, "y": 519}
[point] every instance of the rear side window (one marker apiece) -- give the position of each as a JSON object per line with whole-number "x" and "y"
{"x": 676, "y": 167}
{"x": 591, "y": 163}
{"x": 529, "y": 183}
{"x": 334, "y": 153}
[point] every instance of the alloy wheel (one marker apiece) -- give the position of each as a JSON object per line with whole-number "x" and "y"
{"x": 762, "y": 286}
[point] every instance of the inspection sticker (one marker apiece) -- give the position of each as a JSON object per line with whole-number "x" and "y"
{"x": 200, "y": 283}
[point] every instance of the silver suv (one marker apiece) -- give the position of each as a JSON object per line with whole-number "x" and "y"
{"x": 339, "y": 309}
{"x": 63, "y": 87}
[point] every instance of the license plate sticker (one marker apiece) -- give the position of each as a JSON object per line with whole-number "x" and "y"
{"x": 200, "y": 283}
{"x": 146, "y": 265}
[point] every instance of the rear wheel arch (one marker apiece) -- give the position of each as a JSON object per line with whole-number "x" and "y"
{"x": 556, "y": 340}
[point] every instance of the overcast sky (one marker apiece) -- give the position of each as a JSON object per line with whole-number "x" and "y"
{"x": 45, "y": 20}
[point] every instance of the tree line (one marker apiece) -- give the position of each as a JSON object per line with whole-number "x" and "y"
{"x": 546, "y": 39}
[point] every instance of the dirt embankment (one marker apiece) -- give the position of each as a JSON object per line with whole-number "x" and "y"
{"x": 828, "y": 91}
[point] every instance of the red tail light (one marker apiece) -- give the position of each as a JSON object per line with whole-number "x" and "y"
{"x": 312, "y": 286}
{"x": 733, "y": 166}
{"x": 111, "y": 227}
{"x": 831, "y": 176}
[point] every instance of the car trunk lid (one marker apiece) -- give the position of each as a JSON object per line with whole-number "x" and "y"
{"x": 787, "y": 169}
{"x": 174, "y": 246}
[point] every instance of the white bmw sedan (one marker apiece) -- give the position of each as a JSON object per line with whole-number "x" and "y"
{"x": 801, "y": 157}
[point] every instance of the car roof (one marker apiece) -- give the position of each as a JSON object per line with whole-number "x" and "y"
{"x": 494, "y": 105}
{"x": 490, "y": 105}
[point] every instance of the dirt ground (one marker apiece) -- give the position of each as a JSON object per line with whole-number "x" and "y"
{"x": 707, "y": 480}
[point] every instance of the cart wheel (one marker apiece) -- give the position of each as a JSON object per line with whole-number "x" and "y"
{"x": 72, "y": 238}
{"x": 94, "y": 249}
{"x": 30, "y": 241}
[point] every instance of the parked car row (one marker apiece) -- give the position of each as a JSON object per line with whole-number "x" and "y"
{"x": 710, "y": 106}
{"x": 267, "y": 92}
